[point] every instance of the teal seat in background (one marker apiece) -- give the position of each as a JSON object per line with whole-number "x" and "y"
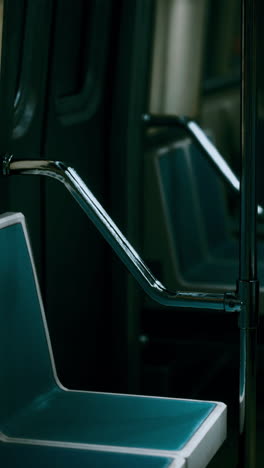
{"x": 196, "y": 210}
{"x": 189, "y": 234}
{"x": 40, "y": 419}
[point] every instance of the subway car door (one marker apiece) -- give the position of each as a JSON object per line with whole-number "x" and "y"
{"x": 73, "y": 88}
{"x": 76, "y": 131}
{"x": 53, "y": 95}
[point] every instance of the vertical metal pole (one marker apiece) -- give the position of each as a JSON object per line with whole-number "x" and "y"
{"x": 248, "y": 287}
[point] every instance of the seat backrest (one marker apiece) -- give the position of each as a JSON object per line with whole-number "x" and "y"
{"x": 212, "y": 198}
{"x": 194, "y": 200}
{"x": 181, "y": 203}
{"x": 26, "y": 362}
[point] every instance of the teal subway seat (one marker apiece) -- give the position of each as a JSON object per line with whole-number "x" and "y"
{"x": 16, "y": 455}
{"x": 189, "y": 236}
{"x": 41, "y": 418}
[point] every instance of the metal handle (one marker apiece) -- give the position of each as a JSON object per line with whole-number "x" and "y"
{"x": 32, "y": 60}
{"x": 154, "y": 288}
{"x": 82, "y": 105}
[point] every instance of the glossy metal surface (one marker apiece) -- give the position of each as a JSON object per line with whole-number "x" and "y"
{"x": 68, "y": 176}
{"x": 209, "y": 150}
{"x": 248, "y": 284}
{"x": 247, "y": 398}
{"x": 248, "y": 129}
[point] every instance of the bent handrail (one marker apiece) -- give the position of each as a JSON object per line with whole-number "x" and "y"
{"x": 68, "y": 176}
{"x": 203, "y": 142}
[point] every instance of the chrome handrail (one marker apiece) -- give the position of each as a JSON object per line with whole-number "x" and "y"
{"x": 68, "y": 176}
{"x": 203, "y": 142}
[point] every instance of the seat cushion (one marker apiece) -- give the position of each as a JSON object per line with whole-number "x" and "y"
{"x": 190, "y": 429}
{"x": 14, "y": 455}
{"x": 109, "y": 419}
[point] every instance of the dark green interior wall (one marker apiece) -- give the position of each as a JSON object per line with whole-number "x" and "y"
{"x": 69, "y": 253}
{"x": 92, "y": 306}
{"x": 75, "y": 255}
{"x": 26, "y": 33}
{"x": 130, "y": 101}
